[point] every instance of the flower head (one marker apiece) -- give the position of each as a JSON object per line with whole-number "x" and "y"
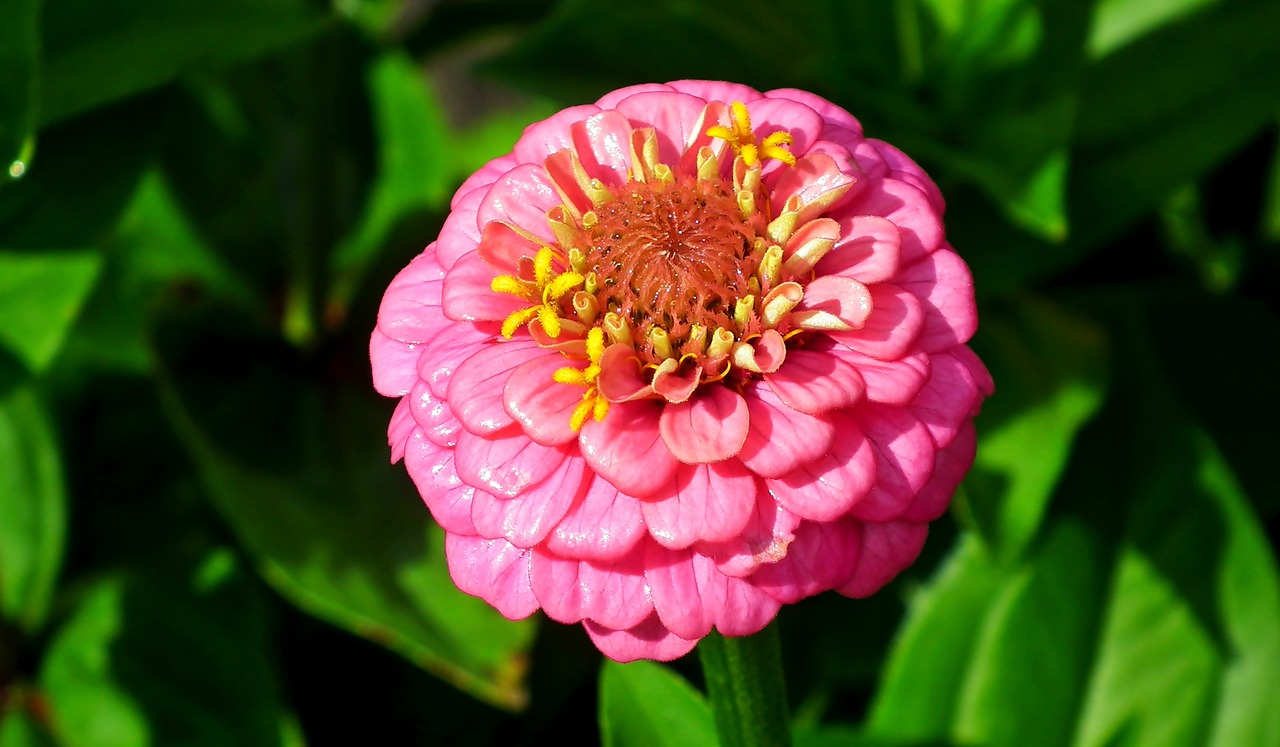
{"x": 684, "y": 356}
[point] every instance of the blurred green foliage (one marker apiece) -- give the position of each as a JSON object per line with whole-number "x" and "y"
{"x": 201, "y": 541}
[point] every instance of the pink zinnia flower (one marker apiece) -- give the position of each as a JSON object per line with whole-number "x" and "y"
{"x": 684, "y": 356}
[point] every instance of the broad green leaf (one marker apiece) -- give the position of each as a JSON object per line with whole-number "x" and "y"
{"x": 415, "y": 163}
{"x": 360, "y": 550}
{"x": 41, "y": 295}
{"x": 32, "y": 509}
{"x": 20, "y": 61}
{"x": 98, "y": 52}
{"x": 1270, "y": 228}
{"x": 1119, "y": 22}
{"x": 1163, "y": 110}
{"x": 917, "y": 697}
{"x": 645, "y": 704}
{"x": 110, "y": 672}
{"x": 1049, "y": 367}
{"x": 17, "y": 729}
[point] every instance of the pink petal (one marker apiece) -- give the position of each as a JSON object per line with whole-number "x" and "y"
{"x": 706, "y": 503}
{"x": 691, "y": 595}
{"x": 621, "y": 378}
{"x": 673, "y": 116}
{"x": 603, "y": 145}
{"x": 483, "y": 178}
{"x": 494, "y": 570}
{"x": 815, "y": 382}
{"x": 446, "y": 496}
{"x": 887, "y": 550}
{"x": 904, "y": 454}
{"x": 893, "y": 327}
{"x": 612, "y": 593}
{"x": 542, "y": 407}
{"x": 902, "y": 167}
{"x": 829, "y": 111}
{"x": 433, "y": 416}
{"x": 541, "y": 139}
{"x": 476, "y": 388}
{"x": 816, "y": 179}
{"x": 827, "y": 488}
{"x": 400, "y": 428}
{"x": 764, "y": 540}
{"x": 711, "y": 427}
{"x": 522, "y": 197}
{"x": 460, "y": 235}
{"x": 769, "y": 115}
{"x": 909, "y": 208}
{"x": 528, "y": 518}
{"x": 394, "y": 364}
{"x": 822, "y": 557}
{"x": 714, "y": 90}
{"x": 948, "y": 400}
{"x": 501, "y": 247}
{"x": 441, "y": 356}
{"x": 888, "y": 382}
{"x": 870, "y": 248}
{"x": 468, "y": 296}
{"x": 506, "y": 463}
{"x": 953, "y": 463}
{"x": 627, "y": 450}
{"x": 648, "y": 640}
{"x": 602, "y": 524}
{"x": 843, "y": 297}
{"x": 944, "y": 286}
{"x": 611, "y": 99}
{"x": 981, "y": 376}
{"x": 781, "y": 438}
{"x": 410, "y": 310}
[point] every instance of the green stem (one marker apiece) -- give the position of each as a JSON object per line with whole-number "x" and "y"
{"x": 746, "y": 687}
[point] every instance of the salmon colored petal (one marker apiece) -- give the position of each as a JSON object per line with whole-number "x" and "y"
{"x": 815, "y": 382}
{"x": 648, "y": 640}
{"x": 711, "y": 427}
{"x": 476, "y": 390}
{"x": 467, "y": 295}
{"x": 842, "y": 297}
{"x": 446, "y": 496}
{"x": 691, "y": 596}
{"x": 904, "y": 454}
{"x": 823, "y": 556}
{"x": 828, "y": 487}
{"x": 506, "y": 463}
{"x": 627, "y": 450}
{"x": 527, "y": 519}
{"x": 603, "y": 144}
{"x": 781, "y": 438}
{"x": 542, "y": 407}
{"x": 706, "y": 503}
{"x": 944, "y": 286}
{"x": 602, "y": 524}
{"x": 501, "y": 248}
{"x": 816, "y": 180}
{"x": 611, "y": 593}
{"x": 887, "y": 549}
{"x": 893, "y": 327}
{"x": 494, "y": 570}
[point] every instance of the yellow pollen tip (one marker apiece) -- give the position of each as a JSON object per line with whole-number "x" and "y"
{"x": 517, "y": 319}
{"x": 569, "y": 375}
{"x": 511, "y": 285}
{"x": 595, "y": 345}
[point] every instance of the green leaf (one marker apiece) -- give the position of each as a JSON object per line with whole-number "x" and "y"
{"x": 157, "y": 660}
{"x": 415, "y": 163}
{"x": 32, "y": 509}
{"x": 40, "y": 297}
{"x": 1119, "y": 22}
{"x": 17, "y": 729}
{"x": 644, "y": 704}
{"x": 1049, "y": 367}
{"x": 360, "y": 550}
{"x": 98, "y": 52}
{"x": 20, "y": 61}
{"x": 1163, "y": 110}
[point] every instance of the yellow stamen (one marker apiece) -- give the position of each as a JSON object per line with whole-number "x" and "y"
{"x": 592, "y": 403}
{"x": 743, "y": 141}
{"x": 544, "y": 292}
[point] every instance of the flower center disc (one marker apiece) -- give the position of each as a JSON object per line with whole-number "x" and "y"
{"x": 672, "y": 256}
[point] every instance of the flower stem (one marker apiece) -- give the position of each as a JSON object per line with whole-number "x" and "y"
{"x": 746, "y": 687}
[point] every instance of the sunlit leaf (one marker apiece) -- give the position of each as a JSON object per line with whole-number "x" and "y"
{"x": 110, "y": 675}
{"x": 644, "y": 704}
{"x": 41, "y": 295}
{"x": 32, "y": 509}
{"x": 20, "y": 61}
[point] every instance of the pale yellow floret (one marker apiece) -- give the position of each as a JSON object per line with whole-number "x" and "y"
{"x": 742, "y": 310}
{"x": 661, "y": 342}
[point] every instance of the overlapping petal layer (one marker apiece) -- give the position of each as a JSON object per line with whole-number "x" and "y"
{"x": 682, "y": 357}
